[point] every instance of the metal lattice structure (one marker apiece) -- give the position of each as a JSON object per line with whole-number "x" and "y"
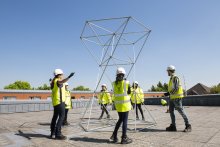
{"x": 113, "y": 43}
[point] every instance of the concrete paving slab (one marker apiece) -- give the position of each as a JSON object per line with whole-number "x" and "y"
{"x": 183, "y": 143}
{"x": 215, "y": 140}
{"x": 32, "y": 129}
{"x": 211, "y": 145}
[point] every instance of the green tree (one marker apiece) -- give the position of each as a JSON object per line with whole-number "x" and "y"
{"x": 152, "y": 88}
{"x": 165, "y": 86}
{"x": 215, "y": 89}
{"x": 159, "y": 85}
{"x": 81, "y": 88}
{"x": 19, "y": 85}
{"x": 159, "y": 88}
{"x": 44, "y": 87}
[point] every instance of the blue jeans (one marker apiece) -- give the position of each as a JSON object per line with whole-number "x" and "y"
{"x": 177, "y": 104}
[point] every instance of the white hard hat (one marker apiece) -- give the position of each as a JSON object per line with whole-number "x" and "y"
{"x": 58, "y": 72}
{"x": 104, "y": 85}
{"x": 171, "y": 67}
{"x": 120, "y": 70}
{"x": 136, "y": 82}
{"x": 66, "y": 84}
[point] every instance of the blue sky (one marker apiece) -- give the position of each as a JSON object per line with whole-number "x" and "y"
{"x": 38, "y": 36}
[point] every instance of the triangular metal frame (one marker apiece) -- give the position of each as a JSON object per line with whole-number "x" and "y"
{"x": 116, "y": 38}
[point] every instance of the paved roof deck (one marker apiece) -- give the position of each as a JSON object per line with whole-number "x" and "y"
{"x": 32, "y": 129}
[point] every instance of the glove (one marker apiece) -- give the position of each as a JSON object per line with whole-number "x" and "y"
{"x": 71, "y": 74}
{"x": 166, "y": 94}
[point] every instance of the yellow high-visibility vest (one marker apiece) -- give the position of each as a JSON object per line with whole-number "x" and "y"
{"x": 57, "y": 93}
{"x": 104, "y": 97}
{"x": 68, "y": 100}
{"x": 179, "y": 92}
{"x": 121, "y": 98}
{"x": 137, "y": 95}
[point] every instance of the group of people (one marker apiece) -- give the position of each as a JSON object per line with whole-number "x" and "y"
{"x": 136, "y": 99}
{"x": 124, "y": 97}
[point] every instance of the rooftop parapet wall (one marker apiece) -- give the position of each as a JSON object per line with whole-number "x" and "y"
{"x": 46, "y": 105}
{"x": 198, "y": 100}
{"x": 36, "y": 105}
{"x": 46, "y": 94}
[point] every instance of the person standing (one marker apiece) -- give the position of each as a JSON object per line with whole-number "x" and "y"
{"x": 58, "y": 99}
{"x": 104, "y": 99}
{"x": 68, "y": 104}
{"x": 175, "y": 92}
{"x": 121, "y": 91}
{"x": 137, "y": 99}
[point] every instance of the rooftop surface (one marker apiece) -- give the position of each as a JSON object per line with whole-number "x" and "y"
{"x": 32, "y": 130}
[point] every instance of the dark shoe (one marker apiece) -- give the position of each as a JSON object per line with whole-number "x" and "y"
{"x": 113, "y": 139}
{"x": 60, "y": 137}
{"x": 143, "y": 118}
{"x": 126, "y": 140}
{"x": 171, "y": 128}
{"x": 100, "y": 118}
{"x": 137, "y": 118}
{"x": 66, "y": 123}
{"x": 188, "y": 128}
{"x": 108, "y": 116}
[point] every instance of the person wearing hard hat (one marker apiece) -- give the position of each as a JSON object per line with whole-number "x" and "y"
{"x": 137, "y": 98}
{"x": 104, "y": 99}
{"x": 175, "y": 92}
{"x": 121, "y": 91}
{"x": 68, "y": 103}
{"x": 58, "y": 99}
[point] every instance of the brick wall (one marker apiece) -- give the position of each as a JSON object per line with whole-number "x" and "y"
{"x": 44, "y": 95}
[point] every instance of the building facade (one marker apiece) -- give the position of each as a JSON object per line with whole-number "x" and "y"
{"x": 46, "y": 94}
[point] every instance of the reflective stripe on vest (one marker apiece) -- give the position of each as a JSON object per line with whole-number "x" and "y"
{"x": 122, "y": 101}
{"x": 178, "y": 95}
{"x": 179, "y": 92}
{"x": 120, "y": 95}
{"x": 68, "y": 100}
{"x": 137, "y": 95}
{"x": 121, "y": 98}
{"x": 104, "y": 97}
{"x": 56, "y": 91}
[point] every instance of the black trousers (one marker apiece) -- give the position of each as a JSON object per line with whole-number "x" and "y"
{"x": 123, "y": 118}
{"x": 138, "y": 106}
{"x": 103, "y": 107}
{"x": 57, "y": 120}
{"x": 66, "y": 113}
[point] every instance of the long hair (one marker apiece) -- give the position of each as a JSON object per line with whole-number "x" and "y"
{"x": 52, "y": 82}
{"x": 118, "y": 79}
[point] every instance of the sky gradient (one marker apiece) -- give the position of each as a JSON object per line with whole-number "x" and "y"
{"x": 38, "y": 36}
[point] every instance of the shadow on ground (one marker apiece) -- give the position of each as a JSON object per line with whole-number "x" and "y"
{"x": 31, "y": 135}
{"x": 44, "y": 124}
{"x": 152, "y": 130}
{"x": 86, "y": 139}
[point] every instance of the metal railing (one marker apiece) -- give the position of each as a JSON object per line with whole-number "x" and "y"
{"x": 20, "y": 106}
